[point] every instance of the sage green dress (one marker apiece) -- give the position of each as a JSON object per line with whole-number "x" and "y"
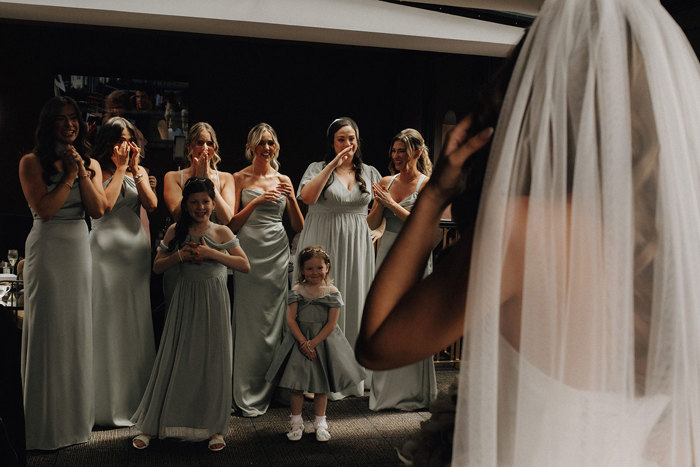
{"x": 260, "y": 304}
{"x": 122, "y": 326}
{"x": 413, "y": 386}
{"x": 335, "y": 368}
{"x": 56, "y": 363}
{"x": 338, "y": 222}
{"x": 188, "y": 395}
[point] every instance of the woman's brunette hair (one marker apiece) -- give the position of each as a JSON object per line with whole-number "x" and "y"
{"x": 110, "y": 134}
{"x": 336, "y": 125}
{"x": 484, "y": 115}
{"x": 45, "y": 139}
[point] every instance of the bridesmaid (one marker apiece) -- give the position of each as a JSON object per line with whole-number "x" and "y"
{"x": 188, "y": 395}
{"x": 202, "y": 160}
{"x": 260, "y": 307}
{"x": 414, "y": 386}
{"x": 338, "y": 193}
{"x": 124, "y": 346}
{"x": 61, "y": 183}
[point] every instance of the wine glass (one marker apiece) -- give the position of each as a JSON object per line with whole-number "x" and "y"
{"x": 12, "y": 257}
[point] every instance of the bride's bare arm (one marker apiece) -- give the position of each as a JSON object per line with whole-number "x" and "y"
{"x": 405, "y": 318}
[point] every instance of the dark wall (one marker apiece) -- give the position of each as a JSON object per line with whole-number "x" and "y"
{"x": 299, "y": 88}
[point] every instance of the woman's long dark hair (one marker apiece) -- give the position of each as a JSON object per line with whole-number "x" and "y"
{"x": 109, "y": 135}
{"x": 337, "y": 124}
{"x": 182, "y": 228}
{"x": 484, "y": 115}
{"x": 45, "y": 137}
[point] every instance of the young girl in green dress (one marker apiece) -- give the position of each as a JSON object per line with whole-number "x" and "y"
{"x": 314, "y": 357}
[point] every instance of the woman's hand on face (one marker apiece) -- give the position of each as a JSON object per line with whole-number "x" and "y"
{"x": 135, "y": 157}
{"x": 449, "y": 176}
{"x": 201, "y": 165}
{"x": 382, "y": 195}
{"x": 341, "y": 157}
{"x": 120, "y": 154}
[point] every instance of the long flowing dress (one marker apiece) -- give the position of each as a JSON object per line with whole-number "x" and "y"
{"x": 170, "y": 276}
{"x": 261, "y": 303}
{"x": 57, "y": 333}
{"x": 334, "y": 369}
{"x": 189, "y": 392}
{"x": 122, "y": 326}
{"x": 338, "y": 222}
{"x": 413, "y": 386}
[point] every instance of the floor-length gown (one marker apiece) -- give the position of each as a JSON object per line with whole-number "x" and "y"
{"x": 413, "y": 386}
{"x": 338, "y": 222}
{"x": 124, "y": 346}
{"x": 261, "y": 302}
{"x": 189, "y": 391}
{"x": 57, "y": 331}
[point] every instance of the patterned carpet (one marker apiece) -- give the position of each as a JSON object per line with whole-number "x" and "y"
{"x": 359, "y": 437}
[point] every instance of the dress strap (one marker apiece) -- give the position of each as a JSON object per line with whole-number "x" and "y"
{"x": 218, "y": 180}
{"x": 420, "y": 181}
{"x": 182, "y": 182}
{"x": 391, "y": 182}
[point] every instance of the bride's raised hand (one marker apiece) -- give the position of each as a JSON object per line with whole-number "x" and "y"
{"x": 449, "y": 176}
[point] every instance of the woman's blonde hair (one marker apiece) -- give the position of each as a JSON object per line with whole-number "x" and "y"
{"x": 192, "y": 136}
{"x": 414, "y": 143}
{"x": 254, "y": 138}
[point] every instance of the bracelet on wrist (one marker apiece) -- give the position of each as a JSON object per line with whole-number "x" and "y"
{"x": 179, "y": 255}
{"x": 70, "y": 187}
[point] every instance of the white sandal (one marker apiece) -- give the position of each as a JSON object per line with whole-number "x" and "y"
{"x": 145, "y": 439}
{"x": 216, "y": 441}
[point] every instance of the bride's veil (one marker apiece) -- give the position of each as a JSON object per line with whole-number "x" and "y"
{"x": 582, "y": 338}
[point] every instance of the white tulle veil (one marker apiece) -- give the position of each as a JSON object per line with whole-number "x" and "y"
{"x": 582, "y": 337}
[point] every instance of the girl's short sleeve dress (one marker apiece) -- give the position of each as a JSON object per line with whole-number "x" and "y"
{"x": 334, "y": 369}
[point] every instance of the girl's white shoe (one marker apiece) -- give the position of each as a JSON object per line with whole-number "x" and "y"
{"x": 322, "y": 433}
{"x": 296, "y": 428}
